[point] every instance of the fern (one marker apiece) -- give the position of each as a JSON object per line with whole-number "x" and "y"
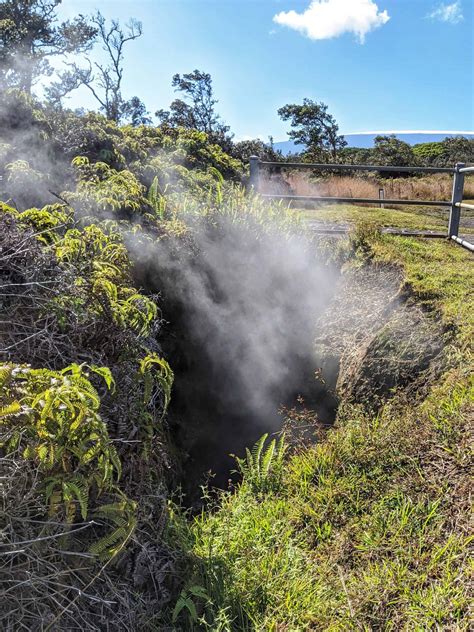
{"x": 47, "y": 222}
{"x": 77, "y": 488}
{"x": 53, "y": 417}
{"x": 219, "y": 195}
{"x": 102, "y": 188}
{"x": 157, "y": 201}
{"x": 155, "y": 369}
{"x": 261, "y": 468}
{"x": 10, "y": 409}
{"x": 104, "y": 277}
{"x": 122, "y": 516}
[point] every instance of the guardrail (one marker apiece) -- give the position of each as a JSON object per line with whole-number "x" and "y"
{"x": 458, "y": 205}
{"x": 455, "y": 204}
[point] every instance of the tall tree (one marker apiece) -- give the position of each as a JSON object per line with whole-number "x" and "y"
{"x": 390, "y": 150}
{"x": 196, "y": 109}
{"x": 30, "y": 35}
{"x": 134, "y": 111}
{"x": 256, "y": 147}
{"x": 457, "y": 149}
{"x": 104, "y": 80}
{"x": 314, "y": 128}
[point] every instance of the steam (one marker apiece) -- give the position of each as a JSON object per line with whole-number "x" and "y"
{"x": 241, "y": 300}
{"x": 30, "y": 166}
{"x": 246, "y": 301}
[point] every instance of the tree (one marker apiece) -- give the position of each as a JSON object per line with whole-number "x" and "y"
{"x": 428, "y": 153}
{"x": 134, "y": 110}
{"x": 105, "y": 80}
{"x": 390, "y": 150}
{"x": 457, "y": 149}
{"x": 197, "y": 110}
{"x": 446, "y": 153}
{"x": 314, "y": 128}
{"x": 255, "y": 147}
{"x": 356, "y": 156}
{"x": 30, "y": 36}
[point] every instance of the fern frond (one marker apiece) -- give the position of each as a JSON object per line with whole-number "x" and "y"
{"x": 78, "y": 488}
{"x": 267, "y": 458}
{"x": 10, "y": 410}
{"x": 123, "y": 516}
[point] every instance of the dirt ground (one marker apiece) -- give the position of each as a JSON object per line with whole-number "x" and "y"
{"x": 377, "y": 339}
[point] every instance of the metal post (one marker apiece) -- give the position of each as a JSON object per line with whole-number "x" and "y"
{"x": 381, "y": 197}
{"x": 254, "y": 169}
{"x": 458, "y": 190}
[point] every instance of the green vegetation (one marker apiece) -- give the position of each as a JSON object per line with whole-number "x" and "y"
{"x": 415, "y": 217}
{"x": 89, "y": 462}
{"x": 369, "y": 529}
{"x": 440, "y": 274}
{"x": 365, "y": 529}
{"x": 361, "y": 526}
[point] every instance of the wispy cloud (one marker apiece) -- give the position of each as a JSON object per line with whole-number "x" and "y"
{"x": 325, "y": 19}
{"x": 451, "y": 13}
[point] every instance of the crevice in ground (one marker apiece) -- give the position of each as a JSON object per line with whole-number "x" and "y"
{"x": 372, "y": 341}
{"x": 209, "y": 428}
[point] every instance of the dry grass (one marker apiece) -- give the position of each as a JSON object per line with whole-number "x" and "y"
{"x": 432, "y": 187}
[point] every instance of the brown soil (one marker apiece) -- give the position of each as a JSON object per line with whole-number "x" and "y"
{"x": 378, "y": 339}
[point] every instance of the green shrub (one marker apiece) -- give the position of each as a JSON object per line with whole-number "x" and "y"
{"x": 52, "y": 418}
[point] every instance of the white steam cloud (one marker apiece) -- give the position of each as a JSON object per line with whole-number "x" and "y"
{"x": 325, "y": 19}
{"x": 246, "y": 304}
{"x": 253, "y": 303}
{"x": 451, "y": 13}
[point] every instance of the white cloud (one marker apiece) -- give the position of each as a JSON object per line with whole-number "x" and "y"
{"x": 451, "y": 13}
{"x": 324, "y": 19}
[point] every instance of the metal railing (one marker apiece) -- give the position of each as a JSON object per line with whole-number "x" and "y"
{"x": 455, "y": 204}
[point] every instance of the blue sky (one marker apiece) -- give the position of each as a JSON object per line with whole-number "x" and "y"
{"x": 378, "y": 64}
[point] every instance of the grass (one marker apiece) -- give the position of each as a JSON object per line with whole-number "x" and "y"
{"x": 440, "y": 273}
{"x": 369, "y": 529}
{"x": 416, "y": 218}
{"x": 427, "y": 187}
{"x": 409, "y": 217}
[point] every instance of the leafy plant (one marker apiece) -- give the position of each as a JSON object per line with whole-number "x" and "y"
{"x": 155, "y": 369}
{"x": 157, "y": 201}
{"x": 52, "y": 419}
{"x": 47, "y": 222}
{"x": 103, "y": 283}
{"x": 261, "y": 468}
{"x": 102, "y": 189}
{"x": 187, "y": 603}
{"x": 121, "y": 515}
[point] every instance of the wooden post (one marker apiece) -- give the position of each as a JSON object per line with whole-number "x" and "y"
{"x": 254, "y": 169}
{"x": 458, "y": 190}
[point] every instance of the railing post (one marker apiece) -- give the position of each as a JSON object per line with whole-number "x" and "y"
{"x": 254, "y": 173}
{"x": 381, "y": 197}
{"x": 458, "y": 190}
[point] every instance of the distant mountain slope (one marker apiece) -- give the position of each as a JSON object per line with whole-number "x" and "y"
{"x": 366, "y": 139}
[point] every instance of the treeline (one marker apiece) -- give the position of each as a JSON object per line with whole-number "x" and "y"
{"x": 32, "y": 37}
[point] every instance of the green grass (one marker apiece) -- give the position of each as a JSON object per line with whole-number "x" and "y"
{"x": 410, "y": 217}
{"x": 440, "y": 273}
{"x": 369, "y": 529}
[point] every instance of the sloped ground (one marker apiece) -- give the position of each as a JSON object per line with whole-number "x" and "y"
{"x": 383, "y": 340}
{"x": 369, "y": 529}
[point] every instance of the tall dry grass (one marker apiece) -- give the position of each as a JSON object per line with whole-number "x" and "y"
{"x": 432, "y": 187}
